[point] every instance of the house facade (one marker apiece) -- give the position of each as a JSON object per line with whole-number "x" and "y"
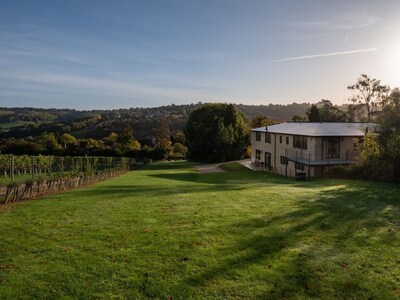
{"x": 309, "y": 148}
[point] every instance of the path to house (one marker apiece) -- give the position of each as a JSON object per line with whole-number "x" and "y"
{"x": 215, "y": 168}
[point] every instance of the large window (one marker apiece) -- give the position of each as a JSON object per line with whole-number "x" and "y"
{"x": 300, "y": 142}
{"x": 333, "y": 148}
{"x": 258, "y": 136}
{"x": 284, "y": 160}
{"x": 267, "y": 159}
{"x": 280, "y": 139}
{"x": 267, "y": 137}
{"x": 287, "y": 140}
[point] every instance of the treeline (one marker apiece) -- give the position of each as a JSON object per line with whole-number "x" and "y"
{"x": 37, "y": 115}
{"x": 154, "y": 133}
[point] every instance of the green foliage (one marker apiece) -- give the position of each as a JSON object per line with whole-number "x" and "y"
{"x": 313, "y": 114}
{"x": 49, "y": 142}
{"x": 260, "y": 121}
{"x": 369, "y": 93}
{"x": 297, "y": 118}
{"x": 216, "y": 132}
{"x": 381, "y": 151}
{"x": 68, "y": 140}
{"x": 325, "y": 111}
{"x": 179, "y": 150}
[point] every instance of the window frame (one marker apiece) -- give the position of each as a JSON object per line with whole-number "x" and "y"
{"x": 299, "y": 166}
{"x": 329, "y": 147}
{"x": 269, "y": 163}
{"x": 258, "y": 154}
{"x": 300, "y": 142}
{"x": 267, "y": 138}
{"x": 258, "y": 136}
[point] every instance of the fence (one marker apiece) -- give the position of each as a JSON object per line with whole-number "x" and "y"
{"x": 23, "y": 177}
{"x": 23, "y": 167}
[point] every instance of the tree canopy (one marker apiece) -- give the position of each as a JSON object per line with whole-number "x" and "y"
{"x": 369, "y": 93}
{"x": 215, "y": 133}
{"x": 313, "y": 114}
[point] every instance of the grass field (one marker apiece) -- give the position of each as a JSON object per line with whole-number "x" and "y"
{"x": 9, "y": 125}
{"x": 168, "y": 232}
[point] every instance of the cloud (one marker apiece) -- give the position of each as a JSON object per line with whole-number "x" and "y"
{"x": 325, "y": 55}
{"x": 347, "y": 21}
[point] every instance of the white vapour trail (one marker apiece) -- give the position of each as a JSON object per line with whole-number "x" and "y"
{"x": 325, "y": 54}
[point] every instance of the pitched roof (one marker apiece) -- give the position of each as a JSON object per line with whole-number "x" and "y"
{"x": 319, "y": 129}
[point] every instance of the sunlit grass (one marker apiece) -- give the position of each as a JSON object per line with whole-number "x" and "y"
{"x": 170, "y": 232}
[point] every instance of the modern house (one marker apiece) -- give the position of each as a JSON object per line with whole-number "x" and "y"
{"x": 307, "y": 149}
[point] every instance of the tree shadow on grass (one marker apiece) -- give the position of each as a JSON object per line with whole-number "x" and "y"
{"x": 174, "y": 165}
{"x": 324, "y": 246}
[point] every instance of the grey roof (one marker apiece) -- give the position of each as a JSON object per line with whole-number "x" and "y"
{"x": 319, "y": 129}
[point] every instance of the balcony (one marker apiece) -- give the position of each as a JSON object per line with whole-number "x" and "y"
{"x": 310, "y": 159}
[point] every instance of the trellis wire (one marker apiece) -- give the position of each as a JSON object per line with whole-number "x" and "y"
{"x": 24, "y": 167}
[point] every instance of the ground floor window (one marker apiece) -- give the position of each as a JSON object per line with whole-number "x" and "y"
{"x": 299, "y": 166}
{"x": 258, "y": 154}
{"x": 284, "y": 160}
{"x": 267, "y": 159}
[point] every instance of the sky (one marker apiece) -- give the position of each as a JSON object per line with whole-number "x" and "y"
{"x": 119, "y": 54}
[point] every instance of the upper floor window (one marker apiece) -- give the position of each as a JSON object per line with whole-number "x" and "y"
{"x": 333, "y": 148}
{"x": 258, "y": 136}
{"x": 267, "y": 137}
{"x": 300, "y": 142}
{"x": 287, "y": 140}
{"x": 280, "y": 139}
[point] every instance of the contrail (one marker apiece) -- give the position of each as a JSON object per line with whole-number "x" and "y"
{"x": 325, "y": 54}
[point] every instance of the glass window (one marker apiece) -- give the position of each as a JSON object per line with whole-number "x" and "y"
{"x": 333, "y": 148}
{"x": 284, "y": 160}
{"x": 280, "y": 139}
{"x": 258, "y": 154}
{"x": 267, "y": 159}
{"x": 258, "y": 136}
{"x": 287, "y": 140}
{"x": 299, "y": 166}
{"x": 300, "y": 142}
{"x": 267, "y": 137}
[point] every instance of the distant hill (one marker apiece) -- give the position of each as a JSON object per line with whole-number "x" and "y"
{"x": 31, "y": 122}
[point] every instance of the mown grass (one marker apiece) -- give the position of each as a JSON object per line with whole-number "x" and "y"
{"x": 168, "y": 232}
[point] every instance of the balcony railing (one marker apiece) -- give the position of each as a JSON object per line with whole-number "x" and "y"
{"x": 309, "y": 158}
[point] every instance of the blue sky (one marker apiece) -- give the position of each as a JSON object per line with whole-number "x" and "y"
{"x": 113, "y": 54}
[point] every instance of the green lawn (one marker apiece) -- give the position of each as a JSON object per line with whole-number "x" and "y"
{"x": 168, "y": 232}
{"x": 9, "y": 125}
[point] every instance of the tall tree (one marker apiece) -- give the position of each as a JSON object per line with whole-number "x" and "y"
{"x": 313, "y": 114}
{"x": 325, "y": 111}
{"x": 369, "y": 92}
{"x": 260, "y": 121}
{"x": 216, "y": 132}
